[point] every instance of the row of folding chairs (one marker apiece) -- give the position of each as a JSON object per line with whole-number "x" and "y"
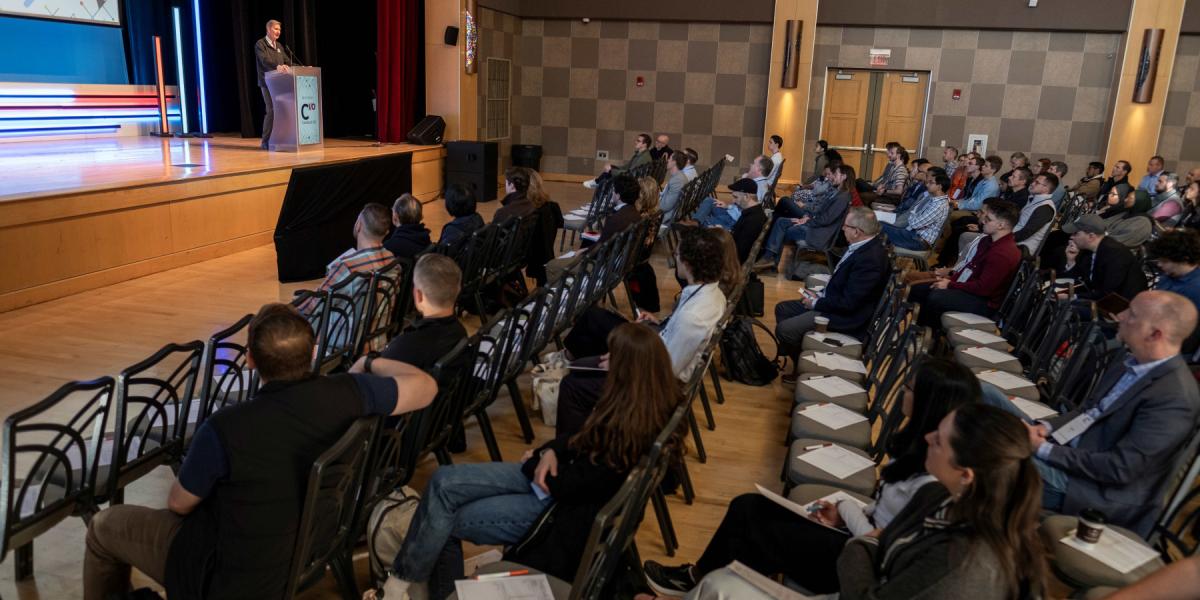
{"x": 493, "y": 254}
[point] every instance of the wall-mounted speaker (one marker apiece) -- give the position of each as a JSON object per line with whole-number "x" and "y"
{"x": 451, "y": 36}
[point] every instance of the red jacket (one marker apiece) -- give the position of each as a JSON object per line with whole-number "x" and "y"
{"x": 991, "y": 270}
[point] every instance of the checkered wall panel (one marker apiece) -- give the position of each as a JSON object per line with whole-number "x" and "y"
{"x": 1179, "y": 142}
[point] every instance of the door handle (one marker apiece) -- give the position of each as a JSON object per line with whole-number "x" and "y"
{"x": 855, "y": 148}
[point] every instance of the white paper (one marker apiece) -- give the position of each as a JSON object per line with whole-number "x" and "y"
{"x": 579, "y": 211}
{"x": 836, "y": 461}
{"x": 780, "y": 500}
{"x": 837, "y": 362}
{"x": 1114, "y": 550}
{"x": 1004, "y": 381}
{"x": 989, "y": 355}
{"x": 821, "y": 277}
{"x": 846, "y": 340}
{"x": 1033, "y": 410}
{"x": 886, "y": 217}
{"x": 831, "y": 415}
{"x": 841, "y": 495}
{"x": 570, "y": 254}
{"x": 833, "y": 498}
{"x": 834, "y": 387}
{"x": 1073, "y": 429}
{"x": 521, "y": 587}
{"x": 764, "y": 583}
{"x": 969, "y": 318}
{"x": 981, "y": 337}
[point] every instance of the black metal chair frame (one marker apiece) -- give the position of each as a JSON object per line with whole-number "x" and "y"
{"x": 225, "y": 378}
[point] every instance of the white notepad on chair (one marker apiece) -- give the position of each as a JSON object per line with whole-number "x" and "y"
{"x": 989, "y": 355}
{"x": 836, "y": 461}
{"x": 833, "y": 387}
{"x": 832, "y": 416}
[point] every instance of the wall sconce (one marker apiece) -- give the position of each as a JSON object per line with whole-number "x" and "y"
{"x": 793, "y": 32}
{"x": 1143, "y": 86}
{"x": 471, "y": 56}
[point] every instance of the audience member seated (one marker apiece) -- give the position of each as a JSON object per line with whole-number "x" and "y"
{"x": 497, "y": 503}
{"x": 1177, "y": 254}
{"x": 773, "y": 540}
{"x": 919, "y": 227}
{"x": 961, "y": 177}
{"x": 849, "y": 300}
{"x": 662, "y": 147}
{"x": 1154, "y": 168}
{"x": 980, "y": 186}
{"x": 979, "y": 286}
{"x": 818, "y": 227}
{"x": 437, "y": 281}
{"x": 1118, "y": 178}
{"x": 1168, "y": 204}
{"x": 1088, "y": 186}
{"x": 731, "y": 266}
{"x": 641, "y": 156}
{"x": 760, "y": 173}
{"x": 692, "y": 158}
{"x": 1037, "y": 214}
{"x": 808, "y": 196}
{"x": 894, "y": 178}
{"x": 1130, "y": 222}
{"x": 775, "y": 148}
{"x": 1117, "y": 451}
{"x": 950, "y": 160}
{"x": 1018, "y": 186}
{"x": 914, "y": 191}
{"x": 820, "y": 160}
{"x": 750, "y": 223}
{"x": 460, "y": 204}
{"x": 668, "y": 200}
{"x": 229, "y": 529}
{"x": 1059, "y": 169}
{"x": 523, "y": 194}
{"x": 368, "y": 253}
{"x": 1191, "y": 206}
{"x": 626, "y": 192}
{"x": 1016, "y": 160}
{"x": 973, "y": 536}
{"x": 1110, "y": 268}
{"x": 410, "y": 237}
{"x": 701, "y": 304}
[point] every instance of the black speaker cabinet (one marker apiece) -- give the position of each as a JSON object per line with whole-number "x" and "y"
{"x": 450, "y": 37}
{"x": 428, "y": 132}
{"x": 475, "y": 165}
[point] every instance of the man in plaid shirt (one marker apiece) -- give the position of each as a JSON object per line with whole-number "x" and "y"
{"x": 918, "y": 229}
{"x": 368, "y": 253}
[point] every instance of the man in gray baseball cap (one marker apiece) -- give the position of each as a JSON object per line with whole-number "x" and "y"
{"x": 1112, "y": 268}
{"x": 1090, "y": 223}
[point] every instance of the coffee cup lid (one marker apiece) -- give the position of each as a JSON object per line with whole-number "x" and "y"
{"x": 1092, "y": 515}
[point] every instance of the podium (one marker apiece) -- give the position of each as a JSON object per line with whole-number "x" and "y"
{"x": 296, "y": 96}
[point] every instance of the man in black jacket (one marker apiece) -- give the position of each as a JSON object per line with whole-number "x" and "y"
{"x": 752, "y": 220}
{"x": 409, "y": 236}
{"x": 270, "y": 55}
{"x": 854, "y": 289}
{"x": 1112, "y": 267}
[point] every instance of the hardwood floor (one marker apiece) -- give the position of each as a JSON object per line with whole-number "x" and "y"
{"x": 102, "y": 331}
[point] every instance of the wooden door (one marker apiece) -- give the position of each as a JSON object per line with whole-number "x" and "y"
{"x": 900, "y": 112}
{"x": 845, "y": 122}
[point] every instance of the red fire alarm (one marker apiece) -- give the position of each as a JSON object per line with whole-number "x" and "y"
{"x": 956, "y": 94}
{"x": 641, "y": 81}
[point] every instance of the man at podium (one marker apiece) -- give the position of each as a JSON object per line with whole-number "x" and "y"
{"x": 270, "y": 54}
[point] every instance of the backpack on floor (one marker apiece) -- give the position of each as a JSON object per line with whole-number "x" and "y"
{"x": 386, "y": 528}
{"x": 744, "y": 361}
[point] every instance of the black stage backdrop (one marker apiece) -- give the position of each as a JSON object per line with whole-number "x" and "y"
{"x": 316, "y": 223}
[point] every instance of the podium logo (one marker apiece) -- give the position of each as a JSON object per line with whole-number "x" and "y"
{"x": 305, "y": 108}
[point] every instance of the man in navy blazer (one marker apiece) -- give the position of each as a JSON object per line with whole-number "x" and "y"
{"x": 853, "y": 292}
{"x": 1120, "y": 449}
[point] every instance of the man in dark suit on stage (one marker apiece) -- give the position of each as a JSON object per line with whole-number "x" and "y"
{"x": 270, "y": 55}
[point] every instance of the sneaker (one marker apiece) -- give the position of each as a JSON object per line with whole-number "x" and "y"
{"x": 670, "y": 581}
{"x": 590, "y": 184}
{"x": 764, "y": 264}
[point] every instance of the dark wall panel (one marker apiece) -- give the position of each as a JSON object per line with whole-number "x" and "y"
{"x": 1191, "y": 17}
{"x": 1061, "y": 15}
{"x": 745, "y": 11}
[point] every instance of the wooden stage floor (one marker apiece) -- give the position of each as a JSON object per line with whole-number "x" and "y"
{"x": 77, "y": 215}
{"x": 31, "y": 169}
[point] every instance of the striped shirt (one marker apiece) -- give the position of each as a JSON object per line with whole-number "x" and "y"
{"x": 893, "y": 177}
{"x": 353, "y": 261}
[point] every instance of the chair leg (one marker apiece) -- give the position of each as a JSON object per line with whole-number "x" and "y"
{"x": 708, "y": 416}
{"x": 633, "y": 310}
{"x": 443, "y": 456}
{"x": 685, "y": 482}
{"x": 514, "y": 392}
{"x": 343, "y": 573}
{"x": 716, "y": 379}
{"x": 701, "y": 455}
{"x": 23, "y": 563}
{"x": 483, "y": 316}
{"x": 663, "y": 514}
{"x": 489, "y": 435}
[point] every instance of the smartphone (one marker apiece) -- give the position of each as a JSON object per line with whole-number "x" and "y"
{"x": 833, "y": 342}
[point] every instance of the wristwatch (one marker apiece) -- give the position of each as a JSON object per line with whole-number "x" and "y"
{"x": 371, "y": 356}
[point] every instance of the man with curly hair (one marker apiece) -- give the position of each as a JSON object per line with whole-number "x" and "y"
{"x": 1177, "y": 254}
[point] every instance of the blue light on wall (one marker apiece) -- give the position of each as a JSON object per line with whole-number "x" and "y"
{"x": 183, "y": 95}
{"x": 200, "y": 67}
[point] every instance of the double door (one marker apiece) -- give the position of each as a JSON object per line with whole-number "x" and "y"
{"x": 866, "y": 109}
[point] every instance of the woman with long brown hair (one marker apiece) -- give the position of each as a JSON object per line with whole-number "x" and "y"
{"x": 498, "y": 503}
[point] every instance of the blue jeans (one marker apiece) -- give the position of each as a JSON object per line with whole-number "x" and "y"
{"x": 709, "y": 215}
{"x": 904, "y": 238}
{"x": 485, "y": 503}
{"x": 1054, "y": 480}
{"x": 783, "y": 231}
{"x": 786, "y": 207}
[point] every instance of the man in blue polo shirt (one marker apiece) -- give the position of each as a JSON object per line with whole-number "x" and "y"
{"x": 229, "y": 529}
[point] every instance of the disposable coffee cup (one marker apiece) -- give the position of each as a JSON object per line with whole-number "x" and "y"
{"x": 1091, "y": 525}
{"x": 822, "y": 324}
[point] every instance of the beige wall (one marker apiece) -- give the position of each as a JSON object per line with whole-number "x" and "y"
{"x": 1179, "y": 142}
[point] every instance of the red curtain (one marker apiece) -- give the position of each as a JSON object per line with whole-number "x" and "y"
{"x": 399, "y": 53}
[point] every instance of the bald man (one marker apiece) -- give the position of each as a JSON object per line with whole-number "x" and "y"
{"x": 1193, "y": 175}
{"x": 1119, "y": 450}
{"x": 662, "y": 147}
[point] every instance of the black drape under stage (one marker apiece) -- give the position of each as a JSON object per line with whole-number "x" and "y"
{"x": 316, "y": 223}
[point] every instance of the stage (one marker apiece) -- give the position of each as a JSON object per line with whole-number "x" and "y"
{"x": 77, "y": 214}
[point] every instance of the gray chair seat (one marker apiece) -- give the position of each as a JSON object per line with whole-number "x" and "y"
{"x": 977, "y": 337}
{"x": 809, "y": 492}
{"x": 1003, "y": 361}
{"x": 560, "y": 588}
{"x": 1011, "y": 384}
{"x": 810, "y": 364}
{"x": 1079, "y": 569}
{"x": 817, "y": 280}
{"x": 574, "y": 222}
{"x": 801, "y": 472}
{"x": 850, "y": 346}
{"x": 962, "y": 320}
{"x": 807, "y": 391}
{"x": 855, "y": 435}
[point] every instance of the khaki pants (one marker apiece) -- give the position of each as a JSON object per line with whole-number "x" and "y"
{"x": 126, "y": 536}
